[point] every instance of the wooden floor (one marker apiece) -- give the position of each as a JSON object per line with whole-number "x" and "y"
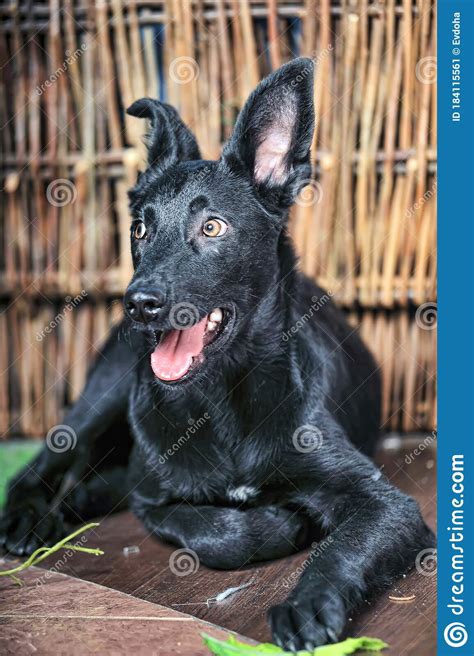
{"x": 59, "y": 614}
{"x": 404, "y": 616}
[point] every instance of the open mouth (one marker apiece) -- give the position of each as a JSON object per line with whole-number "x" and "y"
{"x": 180, "y": 351}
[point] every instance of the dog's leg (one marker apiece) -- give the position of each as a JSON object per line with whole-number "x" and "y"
{"x": 229, "y": 538}
{"x": 32, "y": 515}
{"x": 100, "y": 494}
{"x": 374, "y": 534}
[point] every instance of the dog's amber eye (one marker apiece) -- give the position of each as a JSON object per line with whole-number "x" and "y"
{"x": 214, "y": 228}
{"x": 139, "y": 230}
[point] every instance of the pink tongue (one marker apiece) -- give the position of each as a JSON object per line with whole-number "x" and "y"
{"x": 173, "y": 356}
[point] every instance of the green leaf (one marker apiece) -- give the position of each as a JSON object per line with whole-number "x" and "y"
{"x": 233, "y": 647}
{"x": 351, "y": 646}
{"x": 264, "y": 648}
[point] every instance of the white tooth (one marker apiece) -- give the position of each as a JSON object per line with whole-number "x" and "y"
{"x": 216, "y": 315}
{"x": 211, "y": 325}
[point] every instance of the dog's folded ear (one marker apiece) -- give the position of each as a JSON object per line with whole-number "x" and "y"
{"x": 273, "y": 133}
{"x": 169, "y": 140}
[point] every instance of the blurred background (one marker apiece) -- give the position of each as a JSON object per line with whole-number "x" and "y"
{"x": 365, "y": 226}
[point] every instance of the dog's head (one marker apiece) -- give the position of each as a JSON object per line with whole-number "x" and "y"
{"x": 205, "y": 234}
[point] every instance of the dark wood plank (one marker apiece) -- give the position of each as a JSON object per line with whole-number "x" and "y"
{"x": 148, "y": 576}
{"x": 58, "y": 614}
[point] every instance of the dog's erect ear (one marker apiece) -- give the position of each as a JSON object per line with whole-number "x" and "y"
{"x": 274, "y": 131}
{"x": 169, "y": 140}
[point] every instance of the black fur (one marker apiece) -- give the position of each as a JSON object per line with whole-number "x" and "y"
{"x": 286, "y": 361}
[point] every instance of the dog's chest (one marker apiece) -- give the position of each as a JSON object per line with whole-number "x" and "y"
{"x": 210, "y": 481}
{"x": 204, "y": 471}
{"x": 205, "y": 457}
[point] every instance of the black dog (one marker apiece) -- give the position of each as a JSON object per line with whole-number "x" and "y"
{"x": 242, "y": 405}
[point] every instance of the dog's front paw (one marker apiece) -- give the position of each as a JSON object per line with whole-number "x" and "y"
{"x": 308, "y": 620}
{"x": 26, "y": 526}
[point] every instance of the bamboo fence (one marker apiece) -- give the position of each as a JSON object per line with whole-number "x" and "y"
{"x": 365, "y": 227}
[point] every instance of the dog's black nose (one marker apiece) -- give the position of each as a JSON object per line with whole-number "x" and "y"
{"x": 144, "y": 307}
